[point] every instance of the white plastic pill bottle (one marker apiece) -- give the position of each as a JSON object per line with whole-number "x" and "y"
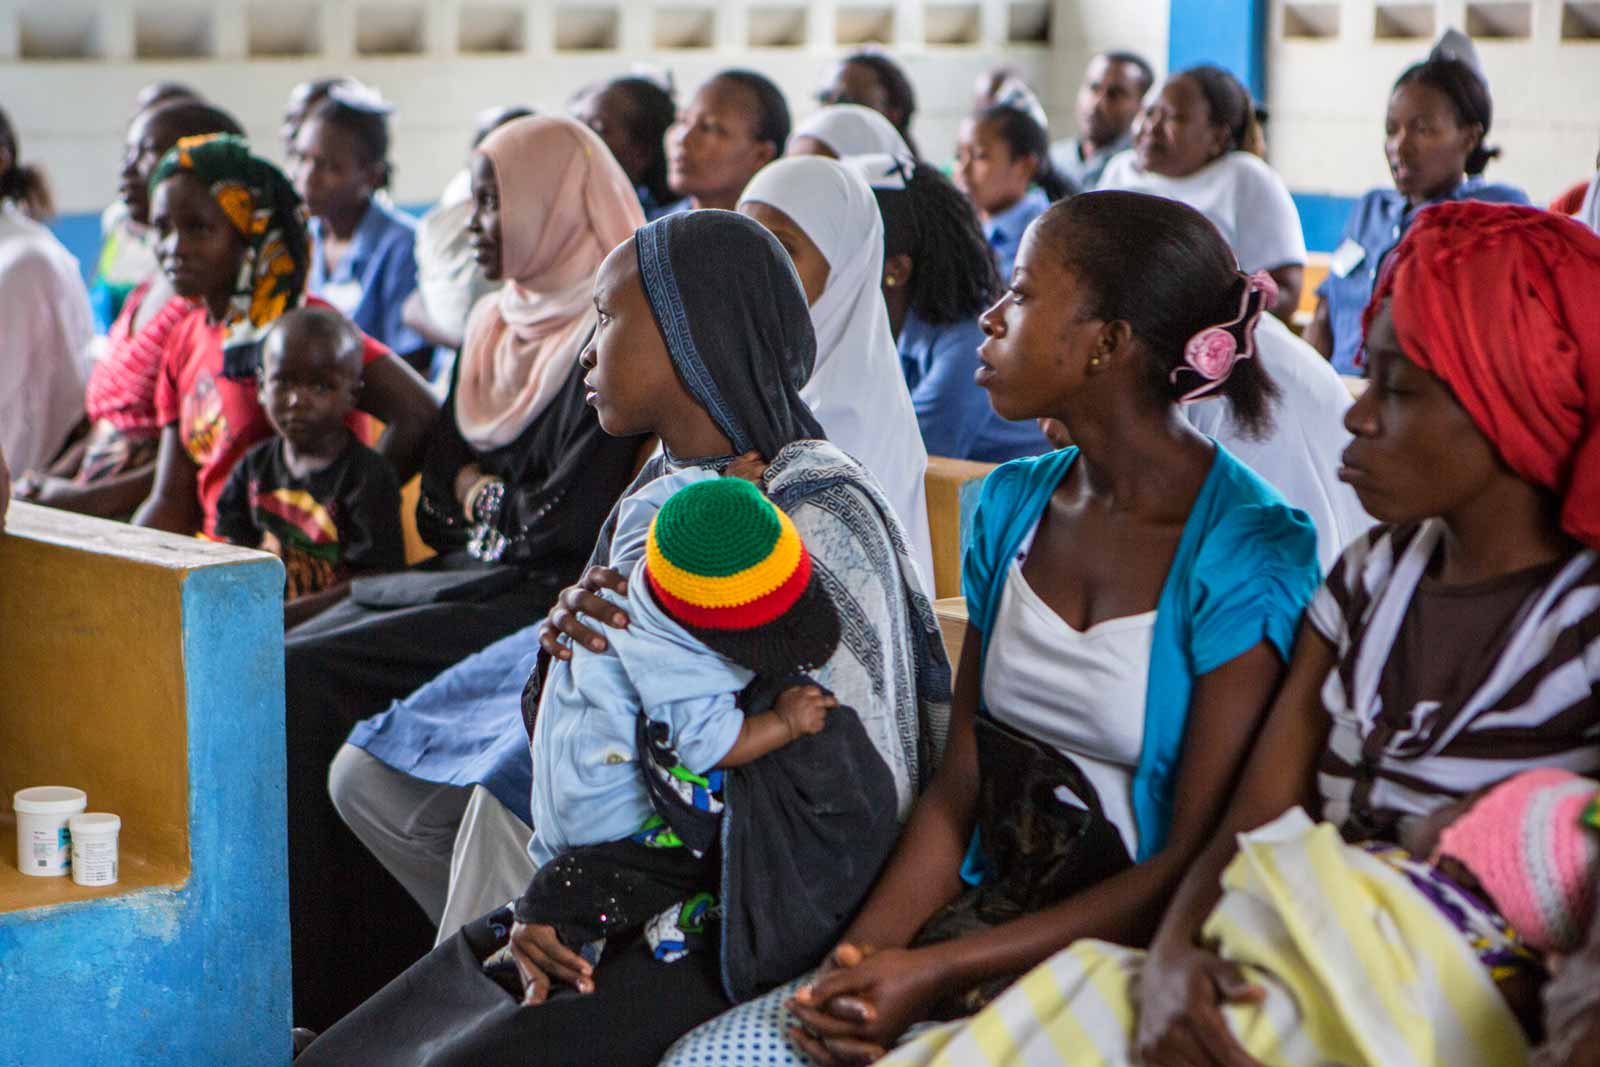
{"x": 44, "y": 842}
{"x": 94, "y": 848}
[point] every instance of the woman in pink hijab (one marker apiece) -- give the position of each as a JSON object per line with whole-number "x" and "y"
{"x": 516, "y": 483}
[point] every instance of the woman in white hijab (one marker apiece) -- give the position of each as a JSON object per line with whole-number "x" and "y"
{"x": 827, "y": 218}
{"x": 843, "y": 131}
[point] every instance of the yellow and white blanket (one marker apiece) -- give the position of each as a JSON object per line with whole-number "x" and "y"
{"x": 1360, "y": 970}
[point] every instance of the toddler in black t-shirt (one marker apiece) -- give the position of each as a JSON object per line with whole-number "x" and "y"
{"x": 314, "y": 496}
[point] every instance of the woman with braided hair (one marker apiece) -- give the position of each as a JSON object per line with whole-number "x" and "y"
{"x": 938, "y": 277}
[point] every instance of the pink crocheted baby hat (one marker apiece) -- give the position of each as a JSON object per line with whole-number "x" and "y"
{"x": 1529, "y": 847}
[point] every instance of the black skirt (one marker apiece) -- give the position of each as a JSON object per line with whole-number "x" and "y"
{"x": 445, "y": 1011}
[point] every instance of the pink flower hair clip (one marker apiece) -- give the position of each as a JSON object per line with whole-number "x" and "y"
{"x": 1213, "y": 351}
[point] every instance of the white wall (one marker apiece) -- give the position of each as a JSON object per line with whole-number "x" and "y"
{"x": 1328, "y": 94}
{"x": 70, "y": 112}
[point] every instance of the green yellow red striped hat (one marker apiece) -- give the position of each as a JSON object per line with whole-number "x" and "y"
{"x": 728, "y": 565}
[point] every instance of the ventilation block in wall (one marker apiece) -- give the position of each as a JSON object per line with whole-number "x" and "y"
{"x": 56, "y": 31}
{"x": 171, "y": 33}
{"x": 486, "y": 29}
{"x": 1506, "y": 21}
{"x": 586, "y": 29}
{"x": 864, "y": 25}
{"x": 1403, "y": 22}
{"x": 952, "y": 25}
{"x": 389, "y": 30}
{"x": 1580, "y": 22}
{"x": 684, "y": 27}
{"x": 1028, "y": 23}
{"x": 777, "y": 27}
{"x": 282, "y": 29}
{"x": 1310, "y": 21}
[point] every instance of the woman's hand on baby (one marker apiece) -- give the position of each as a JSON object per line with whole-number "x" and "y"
{"x": 804, "y": 709}
{"x": 1181, "y": 996}
{"x": 857, "y": 1008}
{"x": 541, "y": 958}
{"x": 750, "y": 466}
{"x": 583, "y": 597}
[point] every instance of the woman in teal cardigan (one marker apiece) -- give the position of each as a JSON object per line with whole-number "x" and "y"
{"x": 1131, "y": 605}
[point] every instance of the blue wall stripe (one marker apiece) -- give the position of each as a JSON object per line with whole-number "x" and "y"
{"x": 1229, "y": 33}
{"x": 1322, "y": 217}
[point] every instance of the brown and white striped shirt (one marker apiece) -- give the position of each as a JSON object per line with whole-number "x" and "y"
{"x": 1439, "y": 691}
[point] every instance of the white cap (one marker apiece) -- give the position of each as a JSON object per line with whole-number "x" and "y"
{"x": 95, "y": 822}
{"x": 49, "y": 800}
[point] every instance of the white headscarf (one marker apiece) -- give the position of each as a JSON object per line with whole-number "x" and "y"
{"x": 857, "y": 389}
{"x": 853, "y": 130}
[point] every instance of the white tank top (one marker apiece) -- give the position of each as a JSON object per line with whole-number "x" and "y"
{"x": 1080, "y": 691}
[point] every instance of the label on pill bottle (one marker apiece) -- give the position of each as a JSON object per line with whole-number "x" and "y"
{"x": 51, "y": 850}
{"x": 94, "y": 860}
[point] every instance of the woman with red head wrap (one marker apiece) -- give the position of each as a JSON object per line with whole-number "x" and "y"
{"x": 1449, "y": 647}
{"x": 1502, "y": 304}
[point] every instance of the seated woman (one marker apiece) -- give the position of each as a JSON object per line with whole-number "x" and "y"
{"x": 517, "y": 480}
{"x": 1199, "y": 143}
{"x": 632, "y": 116}
{"x": 1436, "y": 955}
{"x": 111, "y": 472}
{"x": 1003, "y": 165}
{"x": 841, "y": 131}
{"x": 127, "y": 258}
{"x": 452, "y": 822}
{"x": 232, "y": 242}
{"x": 303, "y": 99}
{"x": 1434, "y": 134}
{"x": 938, "y": 277}
{"x": 45, "y": 308}
{"x": 1449, "y": 649}
{"x": 735, "y": 124}
{"x": 824, "y": 215}
{"x": 363, "y": 250}
{"x": 705, "y": 341}
{"x": 449, "y": 281}
{"x": 1131, "y": 603}
{"x": 870, "y": 78}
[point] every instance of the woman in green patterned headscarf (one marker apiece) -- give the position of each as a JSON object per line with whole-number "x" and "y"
{"x": 231, "y": 236}
{"x": 270, "y": 221}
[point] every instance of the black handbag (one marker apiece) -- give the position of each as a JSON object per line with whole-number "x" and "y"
{"x": 1042, "y": 836}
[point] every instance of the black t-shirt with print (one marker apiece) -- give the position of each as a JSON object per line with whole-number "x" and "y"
{"x": 339, "y": 522}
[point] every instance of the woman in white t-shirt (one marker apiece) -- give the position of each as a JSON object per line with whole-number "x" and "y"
{"x": 1198, "y": 142}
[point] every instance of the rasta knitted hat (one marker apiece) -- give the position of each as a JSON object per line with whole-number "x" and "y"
{"x": 727, "y": 564}
{"x": 1530, "y": 843}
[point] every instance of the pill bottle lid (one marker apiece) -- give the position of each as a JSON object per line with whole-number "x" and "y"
{"x": 95, "y": 822}
{"x": 49, "y": 800}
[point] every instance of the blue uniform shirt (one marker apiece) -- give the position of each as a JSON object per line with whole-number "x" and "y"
{"x": 1376, "y": 224}
{"x": 953, "y": 410}
{"x": 1004, "y": 231}
{"x": 376, "y": 275}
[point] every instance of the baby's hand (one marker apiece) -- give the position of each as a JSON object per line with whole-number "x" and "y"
{"x": 804, "y": 709}
{"x": 750, "y": 466}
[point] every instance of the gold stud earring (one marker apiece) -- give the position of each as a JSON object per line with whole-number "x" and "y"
{"x": 889, "y": 282}
{"x": 1095, "y": 361}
